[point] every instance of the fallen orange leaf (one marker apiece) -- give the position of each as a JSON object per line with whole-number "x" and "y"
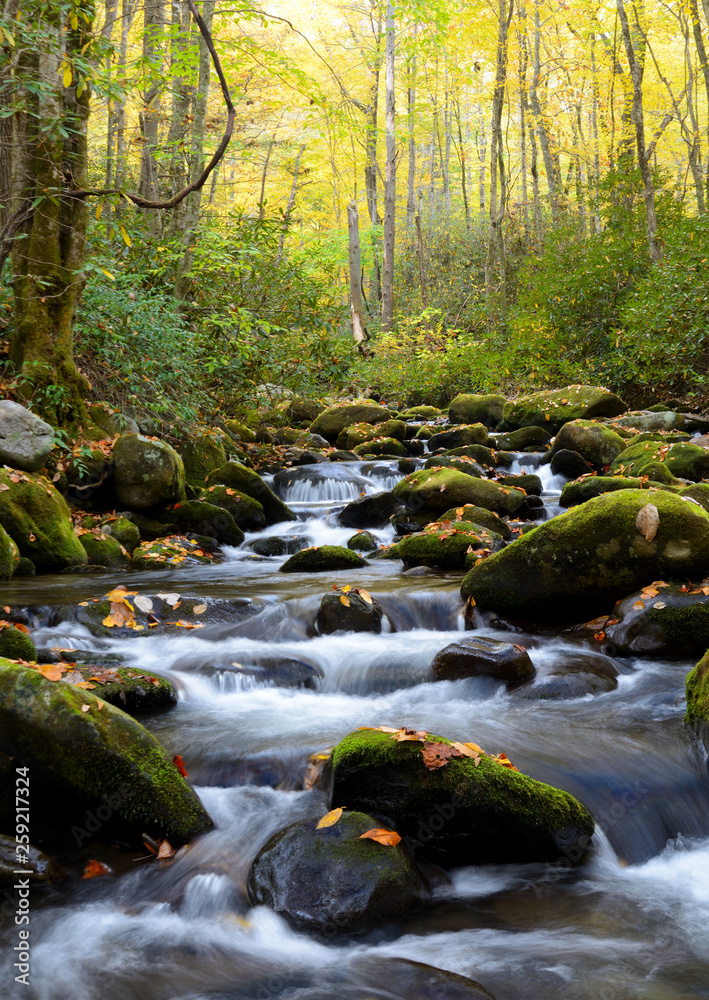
{"x": 387, "y": 837}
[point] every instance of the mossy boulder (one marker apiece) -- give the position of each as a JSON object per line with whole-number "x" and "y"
{"x": 246, "y": 512}
{"x": 663, "y": 619}
{"x": 363, "y": 541}
{"x": 481, "y": 656}
{"x": 322, "y": 559}
{"x": 123, "y": 530}
{"x": 581, "y": 562}
{"x": 697, "y": 687}
{"x": 171, "y": 551}
{"x": 478, "y": 515}
{"x": 421, "y": 413}
{"x": 523, "y": 437}
{"x": 425, "y": 433}
{"x": 490, "y": 813}
{"x": 104, "y": 550}
{"x": 460, "y": 462}
{"x": 370, "y": 511}
{"x": 16, "y": 644}
{"x": 597, "y": 443}
{"x": 37, "y": 518}
{"x": 699, "y": 492}
{"x": 132, "y": 690}
{"x": 583, "y": 489}
{"x": 479, "y": 452}
{"x": 645, "y": 420}
{"x": 571, "y": 675}
{"x": 444, "y": 546}
{"x": 331, "y": 881}
{"x": 681, "y": 461}
{"x": 555, "y": 407}
{"x": 349, "y": 610}
{"x": 111, "y": 421}
{"x": 201, "y": 454}
{"x": 245, "y": 481}
{"x": 147, "y": 472}
{"x": 457, "y": 437}
{"x": 439, "y": 489}
{"x": 240, "y": 431}
{"x": 203, "y": 518}
{"x": 300, "y": 409}
{"x": 380, "y": 446}
{"x": 473, "y": 408}
{"x": 527, "y": 481}
{"x": 335, "y": 418}
{"x": 569, "y": 464}
{"x": 91, "y": 754}
{"x": 9, "y": 555}
{"x": 357, "y": 434}
{"x": 278, "y": 545}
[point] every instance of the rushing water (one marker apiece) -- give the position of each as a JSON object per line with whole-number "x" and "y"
{"x": 632, "y": 922}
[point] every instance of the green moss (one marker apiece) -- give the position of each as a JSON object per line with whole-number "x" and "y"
{"x": 380, "y": 446}
{"x": 147, "y": 472}
{"x": 578, "y": 564}
{"x": 243, "y": 480}
{"x": 597, "y": 443}
{"x": 322, "y": 559}
{"x": 363, "y": 541}
{"x": 9, "y": 555}
{"x": 443, "y": 488}
{"x": 134, "y": 691}
{"x": 37, "y": 518}
{"x": 446, "y": 547}
{"x": 679, "y": 624}
{"x": 421, "y": 413}
{"x": 331, "y": 421}
{"x": 104, "y": 550}
{"x": 16, "y": 645}
{"x": 165, "y": 553}
{"x": 201, "y": 454}
{"x": 124, "y": 531}
{"x": 485, "y": 456}
{"x": 553, "y": 408}
{"x": 583, "y": 489}
{"x": 457, "y": 437}
{"x": 466, "y": 465}
{"x": 525, "y": 437}
{"x": 680, "y": 461}
{"x": 530, "y": 483}
{"x": 247, "y": 512}
{"x": 97, "y": 754}
{"x": 240, "y": 431}
{"x": 698, "y": 492}
{"x": 478, "y": 515}
{"x": 697, "y": 687}
{"x": 472, "y": 408}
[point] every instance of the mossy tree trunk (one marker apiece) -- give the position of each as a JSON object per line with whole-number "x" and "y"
{"x": 48, "y": 254}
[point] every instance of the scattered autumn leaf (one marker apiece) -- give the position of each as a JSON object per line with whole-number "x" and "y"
{"x": 95, "y": 868}
{"x": 179, "y": 764}
{"x": 166, "y": 852}
{"x": 344, "y": 599}
{"x": 390, "y": 838}
{"x": 648, "y": 521}
{"x": 143, "y": 604}
{"x": 53, "y": 671}
{"x": 329, "y": 819}
{"x": 199, "y": 609}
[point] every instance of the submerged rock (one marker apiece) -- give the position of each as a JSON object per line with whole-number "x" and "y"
{"x": 322, "y": 559}
{"x": 38, "y": 867}
{"x": 581, "y": 562}
{"x": 279, "y": 545}
{"x": 348, "y": 611}
{"x": 25, "y": 439}
{"x": 332, "y": 881}
{"x": 460, "y": 813}
{"x": 36, "y": 517}
{"x": 92, "y": 755}
{"x": 479, "y": 656}
{"x": 570, "y": 675}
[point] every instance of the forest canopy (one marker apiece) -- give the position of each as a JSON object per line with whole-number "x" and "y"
{"x": 412, "y": 199}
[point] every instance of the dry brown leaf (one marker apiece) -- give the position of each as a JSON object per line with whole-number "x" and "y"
{"x": 166, "y": 852}
{"x": 390, "y": 838}
{"x": 638, "y": 606}
{"x": 648, "y": 521}
{"x": 659, "y": 605}
{"x": 199, "y": 609}
{"x": 53, "y": 671}
{"x": 437, "y": 755}
{"x": 4, "y": 486}
{"x": 85, "y": 708}
{"x": 143, "y": 604}
{"x": 95, "y": 868}
{"x": 468, "y": 749}
{"x": 329, "y": 819}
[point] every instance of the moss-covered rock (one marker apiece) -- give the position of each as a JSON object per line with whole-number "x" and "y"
{"x": 645, "y": 420}
{"x": 529, "y": 482}
{"x": 523, "y": 437}
{"x": 300, "y": 409}
{"x": 363, "y": 541}
{"x": 201, "y": 454}
{"x": 278, "y": 545}
{"x": 478, "y": 515}
{"x": 349, "y": 610}
{"x": 370, "y": 511}
{"x": 481, "y": 656}
{"x": 335, "y": 418}
{"x": 472, "y": 408}
{"x": 244, "y": 481}
{"x": 37, "y": 518}
{"x": 132, "y": 690}
{"x": 597, "y": 443}
{"x": 147, "y": 472}
{"x": 553, "y": 408}
{"x": 357, "y": 434}
{"x": 697, "y": 687}
{"x": 699, "y": 492}
{"x": 457, "y": 437}
{"x": 421, "y": 413}
{"x": 580, "y": 490}
{"x": 460, "y": 462}
{"x": 440, "y": 489}
{"x": 93, "y": 754}
{"x": 330, "y": 880}
{"x": 171, "y": 551}
{"x": 322, "y": 559}
{"x": 16, "y": 644}
{"x": 490, "y": 813}
{"x": 246, "y": 512}
{"x": 203, "y": 518}
{"x": 479, "y": 452}
{"x": 123, "y": 530}
{"x": 380, "y": 446}
{"x": 104, "y": 550}
{"x": 9, "y": 555}
{"x": 444, "y": 546}
{"x": 111, "y": 421}
{"x": 663, "y": 619}
{"x": 682, "y": 461}
{"x": 425, "y": 433}
{"x": 582, "y": 561}
{"x": 240, "y": 431}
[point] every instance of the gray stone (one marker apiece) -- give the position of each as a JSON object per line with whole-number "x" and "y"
{"x": 25, "y": 439}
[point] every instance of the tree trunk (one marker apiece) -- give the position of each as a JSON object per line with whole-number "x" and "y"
{"x": 290, "y": 206}
{"x": 389, "y": 178}
{"x": 638, "y": 121}
{"x": 495, "y": 250}
{"x": 178, "y": 133}
{"x": 47, "y": 262}
{"x": 411, "y": 114}
{"x": 127, "y": 11}
{"x": 359, "y": 329}
{"x": 422, "y": 263}
{"x": 153, "y": 40}
{"x": 264, "y": 175}
{"x": 703, "y": 64}
{"x": 523, "y": 59}
{"x": 107, "y": 33}
{"x": 540, "y": 123}
{"x": 461, "y": 155}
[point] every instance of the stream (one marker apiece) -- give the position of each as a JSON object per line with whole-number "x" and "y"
{"x": 631, "y": 922}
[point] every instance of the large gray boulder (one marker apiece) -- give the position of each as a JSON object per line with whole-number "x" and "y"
{"x": 25, "y": 439}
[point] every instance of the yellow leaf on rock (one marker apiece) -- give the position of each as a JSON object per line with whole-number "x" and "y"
{"x": 344, "y": 599}
{"x": 329, "y": 819}
{"x": 638, "y": 606}
{"x": 199, "y": 609}
{"x": 53, "y": 672}
{"x": 365, "y": 596}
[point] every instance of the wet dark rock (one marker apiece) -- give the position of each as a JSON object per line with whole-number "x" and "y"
{"x": 479, "y": 656}
{"x": 356, "y": 613}
{"x": 25, "y": 567}
{"x": 570, "y": 464}
{"x": 279, "y": 545}
{"x": 532, "y": 509}
{"x": 331, "y": 881}
{"x": 271, "y": 671}
{"x": 531, "y": 484}
{"x": 38, "y": 867}
{"x": 460, "y": 813}
{"x": 571, "y": 675}
{"x": 371, "y": 511}
{"x": 415, "y": 448}
{"x": 322, "y": 559}
{"x": 671, "y": 620}
{"x": 339, "y": 455}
